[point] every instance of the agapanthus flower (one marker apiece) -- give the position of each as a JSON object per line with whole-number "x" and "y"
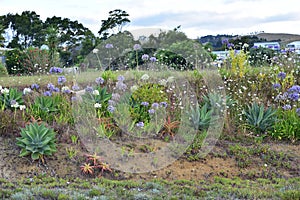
{"x": 61, "y": 80}
{"x": 22, "y": 107}
{"x": 73, "y": 98}
{"x": 152, "y": 59}
{"x": 75, "y": 87}
{"x": 97, "y": 105}
{"x": 96, "y": 92}
{"x": 56, "y": 89}
{"x": 121, "y": 86}
{"x": 294, "y": 96}
{"x": 55, "y": 70}
{"x": 95, "y": 51}
{"x": 276, "y": 85}
{"x": 145, "y": 103}
{"x": 109, "y": 46}
{"x": 99, "y": 80}
{"x": 137, "y": 47}
{"x": 140, "y": 124}
{"x": 121, "y": 78}
{"x": 35, "y": 86}
{"x": 66, "y": 90}
{"x": 145, "y": 57}
{"x": 26, "y": 91}
{"x": 111, "y": 108}
{"x": 115, "y": 96}
{"x": 89, "y": 89}
{"x": 50, "y": 86}
{"x": 47, "y": 93}
{"x": 230, "y": 45}
{"x": 298, "y": 111}
{"x": 14, "y": 104}
{"x": 155, "y": 105}
{"x": 281, "y": 75}
{"x": 287, "y": 107}
{"x": 151, "y": 111}
{"x": 163, "y": 104}
{"x": 294, "y": 88}
{"x": 5, "y": 91}
{"x": 145, "y": 77}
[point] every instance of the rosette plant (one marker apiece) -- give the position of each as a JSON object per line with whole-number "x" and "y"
{"x": 37, "y": 140}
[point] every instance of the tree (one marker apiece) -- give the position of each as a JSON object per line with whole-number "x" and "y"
{"x": 116, "y": 20}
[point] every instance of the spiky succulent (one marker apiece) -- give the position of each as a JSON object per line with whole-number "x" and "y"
{"x": 37, "y": 140}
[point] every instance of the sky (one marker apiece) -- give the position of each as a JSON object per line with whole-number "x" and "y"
{"x": 196, "y": 17}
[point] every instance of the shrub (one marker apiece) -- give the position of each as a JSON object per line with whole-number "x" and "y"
{"x": 259, "y": 119}
{"x": 287, "y": 125}
{"x": 12, "y": 97}
{"x": 36, "y": 140}
{"x": 14, "y": 60}
{"x": 3, "y": 70}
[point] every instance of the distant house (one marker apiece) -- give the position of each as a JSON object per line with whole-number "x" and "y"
{"x": 269, "y": 45}
{"x": 293, "y": 46}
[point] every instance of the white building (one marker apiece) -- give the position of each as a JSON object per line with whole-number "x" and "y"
{"x": 293, "y": 46}
{"x": 270, "y": 45}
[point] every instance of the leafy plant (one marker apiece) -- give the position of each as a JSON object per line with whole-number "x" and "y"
{"x": 260, "y": 119}
{"x": 37, "y": 140}
{"x": 200, "y": 117}
{"x": 169, "y": 128}
{"x": 14, "y": 96}
{"x": 287, "y": 125}
{"x": 94, "y": 164}
{"x": 151, "y": 93}
{"x": 3, "y": 70}
{"x": 44, "y": 107}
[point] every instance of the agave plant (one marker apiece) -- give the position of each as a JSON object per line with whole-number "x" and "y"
{"x": 200, "y": 117}
{"x": 37, "y": 140}
{"x": 260, "y": 119}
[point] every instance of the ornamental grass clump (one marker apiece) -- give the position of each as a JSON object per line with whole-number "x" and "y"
{"x": 37, "y": 140}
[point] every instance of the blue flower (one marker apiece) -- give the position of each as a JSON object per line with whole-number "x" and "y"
{"x": 230, "y": 45}
{"x": 121, "y": 78}
{"x": 145, "y": 103}
{"x": 47, "y": 93}
{"x": 281, "y": 75}
{"x": 163, "y": 104}
{"x": 225, "y": 41}
{"x": 61, "y": 80}
{"x": 89, "y": 89}
{"x": 298, "y": 111}
{"x": 145, "y": 57}
{"x": 276, "y": 85}
{"x": 294, "y": 88}
{"x": 55, "y": 70}
{"x": 56, "y": 89}
{"x": 294, "y": 96}
{"x": 109, "y": 46}
{"x": 155, "y": 105}
{"x": 140, "y": 124}
{"x": 99, "y": 80}
{"x": 75, "y": 87}
{"x": 110, "y": 108}
{"x": 287, "y": 107}
{"x": 73, "y": 98}
{"x": 151, "y": 111}
{"x": 35, "y": 86}
{"x": 137, "y": 47}
{"x": 50, "y": 86}
{"x": 152, "y": 59}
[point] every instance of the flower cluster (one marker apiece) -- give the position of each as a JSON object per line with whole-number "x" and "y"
{"x": 55, "y": 70}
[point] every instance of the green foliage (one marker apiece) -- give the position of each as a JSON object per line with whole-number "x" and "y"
{"x": 261, "y": 56}
{"x": 14, "y": 60}
{"x": 12, "y": 95}
{"x": 200, "y": 117}
{"x": 109, "y": 75}
{"x": 3, "y": 70}
{"x": 37, "y": 140}
{"x": 45, "y": 107}
{"x": 173, "y": 60}
{"x": 287, "y": 126}
{"x": 151, "y": 93}
{"x": 259, "y": 119}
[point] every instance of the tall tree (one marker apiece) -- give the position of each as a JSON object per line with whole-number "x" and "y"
{"x": 116, "y": 20}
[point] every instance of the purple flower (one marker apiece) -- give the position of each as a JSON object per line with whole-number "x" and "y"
{"x": 121, "y": 86}
{"x": 145, "y": 103}
{"x": 294, "y": 88}
{"x": 99, "y": 80}
{"x": 155, "y": 105}
{"x": 109, "y": 46}
{"x": 294, "y": 96}
{"x": 56, "y": 89}
{"x": 35, "y": 86}
{"x": 163, "y": 104}
{"x": 73, "y": 98}
{"x": 47, "y": 93}
{"x": 225, "y": 41}
{"x": 115, "y": 96}
{"x": 75, "y": 87}
{"x": 145, "y": 57}
{"x": 230, "y": 45}
{"x": 298, "y": 111}
{"x": 151, "y": 111}
{"x": 110, "y": 108}
{"x": 276, "y": 85}
{"x": 137, "y": 47}
{"x": 281, "y": 75}
{"x": 140, "y": 124}
{"x": 89, "y": 89}
{"x": 13, "y": 102}
{"x": 152, "y": 59}
{"x": 111, "y": 102}
{"x": 50, "y": 86}
{"x": 121, "y": 78}
{"x": 287, "y": 107}
{"x": 61, "y": 80}
{"x": 55, "y": 70}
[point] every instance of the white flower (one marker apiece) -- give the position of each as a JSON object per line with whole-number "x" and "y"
{"x": 133, "y": 88}
{"x": 170, "y": 79}
{"x": 26, "y": 91}
{"x": 163, "y": 82}
{"x": 15, "y": 105}
{"x": 4, "y": 91}
{"x": 96, "y": 92}
{"x": 145, "y": 77}
{"x": 22, "y": 107}
{"x": 97, "y": 105}
{"x": 95, "y": 51}
{"x": 65, "y": 88}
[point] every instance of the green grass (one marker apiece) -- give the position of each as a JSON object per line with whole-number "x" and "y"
{"x": 220, "y": 188}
